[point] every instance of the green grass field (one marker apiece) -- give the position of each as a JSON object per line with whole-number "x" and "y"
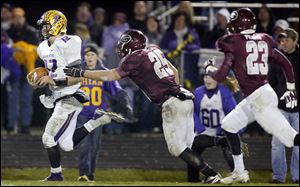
{"x": 104, "y": 177}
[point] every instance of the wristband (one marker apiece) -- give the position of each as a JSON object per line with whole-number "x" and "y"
{"x": 290, "y": 86}
{"x": 61, "y": 82}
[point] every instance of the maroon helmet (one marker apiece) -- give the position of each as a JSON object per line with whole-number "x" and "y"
{"x": 242, "y": 21}
{"x": 131, "y": 40}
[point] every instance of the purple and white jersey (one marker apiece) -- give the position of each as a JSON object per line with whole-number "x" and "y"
{"x": 64, "y": 51}
{"x": 148, "y": 68}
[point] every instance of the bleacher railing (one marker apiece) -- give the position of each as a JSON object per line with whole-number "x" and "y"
{"x": 204, "y": 54}
{"x": 165, "y": 17}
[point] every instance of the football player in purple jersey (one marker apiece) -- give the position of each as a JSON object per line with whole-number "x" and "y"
{"x": 247, "y": 54}
{"x": 147, "y": 66}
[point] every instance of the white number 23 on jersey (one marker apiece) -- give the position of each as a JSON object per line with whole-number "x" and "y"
{"x": 253, "y": 60}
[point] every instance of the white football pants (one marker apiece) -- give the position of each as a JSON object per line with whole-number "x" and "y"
{"x": 62, "y": 123}
{"x": 178, "y": 124}
{"x": 261, "y": 106}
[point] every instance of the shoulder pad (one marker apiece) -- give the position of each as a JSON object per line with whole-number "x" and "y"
{"x": 225, "y": 43}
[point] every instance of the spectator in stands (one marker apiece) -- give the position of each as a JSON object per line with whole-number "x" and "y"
{"x": 280, "y": 26}
{"x": 178, "y": 32}
{"x": 153, "y": 31}
{"x": 98, "y": 25}
{"x": 97, "y": 90}
{"x": 83, "y": 15}
{"x": 186, "y": 7}
{"x": 219, "y": 28}
{"x": 110, "y": 37}
{"x": 140, "y": 11}
{"x": 152, "y": 5}
{"x": 25, "y": 40}
{"x": 265, "y": 20}
{"x": 83, "y": 32}
{"x": 288, "y": 43}
{"x": 10, "y": 72}
{"x": 6, "y": 16}
{"x": 181, "y": 36}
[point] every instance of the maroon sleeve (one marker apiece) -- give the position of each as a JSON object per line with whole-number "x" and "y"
{"x": 129, "y": 66}
{"x": 223, "y": 71}
{"x": 284, "y": 63}
{"x": 224, "y": 44}
{"x": 280, "y": 58}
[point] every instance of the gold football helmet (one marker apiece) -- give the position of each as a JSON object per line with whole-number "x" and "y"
{"x": 52, "y": 23}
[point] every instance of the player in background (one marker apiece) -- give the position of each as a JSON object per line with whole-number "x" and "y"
{"x": 58, "y": 50}
{"x": 212, "y": 102}
{"x": 147, "y": 66}
{"x": 97, "y": 90}
{"x": 247, "y": 54}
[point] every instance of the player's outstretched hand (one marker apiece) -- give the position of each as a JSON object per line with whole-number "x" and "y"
{"x": 73, "y": 72}
{"x": 290, "y": 97}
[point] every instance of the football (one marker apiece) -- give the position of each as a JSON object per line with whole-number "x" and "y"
{"x": 37, "y": 73}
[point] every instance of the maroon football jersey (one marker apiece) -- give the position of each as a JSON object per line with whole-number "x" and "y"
{"x": 149, "y": 70}
{"x": 248, "y": 57}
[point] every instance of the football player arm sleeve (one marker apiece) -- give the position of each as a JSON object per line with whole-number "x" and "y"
{"x": 73, "y": 80}
{"x": 286, "y": 66}
{"x": 102, "y": 75}
{"x": 175, "y": 72}
{"x": 223, "y": 71}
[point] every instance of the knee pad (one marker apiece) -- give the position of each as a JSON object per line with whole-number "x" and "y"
{"x": 66, "y": 148}
{"x": 48, "y": 140}
{"x": 67, "y": 144}
{"x": 234, "y": 121}
{"x": 173, "y": 150}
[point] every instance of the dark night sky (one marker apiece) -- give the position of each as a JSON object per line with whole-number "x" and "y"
{"x": 35, "y": 8}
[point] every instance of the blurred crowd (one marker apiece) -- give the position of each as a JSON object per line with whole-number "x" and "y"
{"x": 20, "y": 106}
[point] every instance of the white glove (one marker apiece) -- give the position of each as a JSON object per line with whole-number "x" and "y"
{"x": 290, "y": 97}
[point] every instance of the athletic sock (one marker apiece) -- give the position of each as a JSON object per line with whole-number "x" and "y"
{"x": 56, "y": 170}
{"x": 94, "y": 123}
{"x": 79, "y": 134}
{"x": 238, "y": 163}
